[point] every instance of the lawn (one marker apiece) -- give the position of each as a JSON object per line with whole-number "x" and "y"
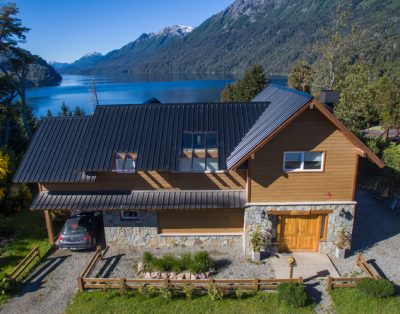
{"x": 132, "y": 302}
{"x": 29, "y": 230}
{"x": 351, "y": 301}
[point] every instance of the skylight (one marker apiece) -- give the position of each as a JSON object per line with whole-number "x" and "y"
{"x": 125, "y": 162}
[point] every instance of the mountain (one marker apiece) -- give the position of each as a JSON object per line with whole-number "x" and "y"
{"x": 117, "y": 61}
{"x": 86, "y": 61}
{"x": 42, "y": 74}
{"x": 275, "y": 33}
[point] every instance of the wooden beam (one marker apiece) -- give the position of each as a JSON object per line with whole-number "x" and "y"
{"x": 299, "y": 212}
{"x": 49, "y": 226}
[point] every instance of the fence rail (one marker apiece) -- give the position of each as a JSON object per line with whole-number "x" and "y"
{"x": 253, "y": 284}
{"x": 99, "y": 255}
{"x": 351, "y": 282}
{"x": 23, "y": 265}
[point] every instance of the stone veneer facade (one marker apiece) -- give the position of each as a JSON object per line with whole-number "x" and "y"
{"x": 342, "y": 215}
{"x": 144, "y": 231}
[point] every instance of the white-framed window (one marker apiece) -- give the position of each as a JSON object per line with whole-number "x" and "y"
{"x": 303, "y": 161}
{"x": 125, "y": 162}
{"x": 129, "y": 215}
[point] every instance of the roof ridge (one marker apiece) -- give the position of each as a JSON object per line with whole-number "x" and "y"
{"x": 184, "y": 104}
{"x": 292, "y": 90}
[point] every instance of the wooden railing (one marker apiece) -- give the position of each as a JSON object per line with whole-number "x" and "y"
{"x": 24, "y": 264}
{"x": 254, "y": 284}
{"x": 351, "y": 282}
{"x": 99, "y": 255}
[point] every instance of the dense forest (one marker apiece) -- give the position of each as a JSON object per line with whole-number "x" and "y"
{"x": 274, "y": 33}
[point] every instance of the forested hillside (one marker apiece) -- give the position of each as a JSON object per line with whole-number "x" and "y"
{"x": 274, "y": 33}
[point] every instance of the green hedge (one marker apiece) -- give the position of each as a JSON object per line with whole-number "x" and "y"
{"x": 381, "y": 288}
{"x": 293, "y": 294}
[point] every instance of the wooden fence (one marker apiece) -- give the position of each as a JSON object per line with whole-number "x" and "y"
{"x": 23, "y": 265}
{"x": 351, "y": 282}
{"x": 253, "y": 284}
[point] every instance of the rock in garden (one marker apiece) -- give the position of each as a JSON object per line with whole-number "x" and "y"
{"x": 193, "y": 276}
{"x": 172, "y": 275}
{"x": 164, "y": 275}
{"x": 140, "y": 267}
{"x": 180, "y": 276}
{"x": 147, "y": 276}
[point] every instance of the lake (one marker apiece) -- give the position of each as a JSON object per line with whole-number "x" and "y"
{"x": 75, "y": 91}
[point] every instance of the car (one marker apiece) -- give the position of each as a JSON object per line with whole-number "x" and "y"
{"x": 82, "y": 230}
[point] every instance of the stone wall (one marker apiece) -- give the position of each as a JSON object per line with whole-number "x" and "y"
{"x": 343, "y": 215}
{"x": 144, "y": 231}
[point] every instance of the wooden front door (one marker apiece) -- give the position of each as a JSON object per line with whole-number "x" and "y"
{"x": 298, "y": 233}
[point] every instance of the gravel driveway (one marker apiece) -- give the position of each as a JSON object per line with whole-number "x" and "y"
{"x": 50, "y": 286}
{"x": 377, "y": 235}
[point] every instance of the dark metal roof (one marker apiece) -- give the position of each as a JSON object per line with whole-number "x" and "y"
{"x": 140, "y": 200}
{"x": 154, "y": 132}
{"x": 283, "y": 103}
{"x": 53, "y": 153}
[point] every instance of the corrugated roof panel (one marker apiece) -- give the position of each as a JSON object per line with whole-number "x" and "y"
{"x": 283, "y": 103}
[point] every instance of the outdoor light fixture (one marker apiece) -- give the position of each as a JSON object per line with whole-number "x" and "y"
{"x": 263, "y": 214}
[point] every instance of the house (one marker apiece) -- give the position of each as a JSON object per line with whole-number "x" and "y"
{"x": 199, "y": 174}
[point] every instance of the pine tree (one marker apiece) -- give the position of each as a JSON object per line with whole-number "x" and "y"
{"x": 49, "y": 114}
{"x": 247, "y": 87}
{"x": 300, "y": 77}
{"x": 79, "y": 112}
{"x": 64, "y": 111}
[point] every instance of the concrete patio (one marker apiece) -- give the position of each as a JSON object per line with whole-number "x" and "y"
{"x": 309, "y": 265}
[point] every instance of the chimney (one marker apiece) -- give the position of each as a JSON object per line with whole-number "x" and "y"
{"x": 329, "y": 98}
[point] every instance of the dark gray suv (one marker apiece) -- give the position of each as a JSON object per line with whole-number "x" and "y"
{"x": 82, "y": 230}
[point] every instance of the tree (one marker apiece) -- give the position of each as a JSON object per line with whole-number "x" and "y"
{"x": 79, "y": 112}
{"x": 48, "y": 113}
{"x": 300, "y": 77}
{"x": 356, "y": 102}
{"x": 64, "y": 111}
{"x": 247, "y": 87}
{"x": 11, "y": 30}
{"x": 4, "y": 171}
{"x": 387, "y": 100}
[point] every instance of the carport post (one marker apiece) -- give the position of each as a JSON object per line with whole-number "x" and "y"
{"x": 49, "y": 226}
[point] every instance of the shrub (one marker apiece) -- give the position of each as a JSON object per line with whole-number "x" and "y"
{"x": 188, "y": 291}
{"x": 167, "y": 262}
{"x": 147, "y": 260}
{"x": 186, "y": 261}
{"x": 201, "y": 262}
{"x": 6, "y": 284}
{"x": 239, "y": 293}
{"x": 166, "y": 292}
{"x": 293, "y": 294}
{"x": 214, "y": 292}
{"x": 257, "y": 239}
{"x": 380, "y": 288}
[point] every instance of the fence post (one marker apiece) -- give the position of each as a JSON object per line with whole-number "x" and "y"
{"x": 358, "y": 259}
{"x": 98, "y": 250}
{"x": 80, "y": 283}
{"x": 256, "y": 284}
{"x": 300, "y": 280}
{"x": 38, "y": 252}
{"x": 123, "y": 283}
{"x": 329, "y": 283}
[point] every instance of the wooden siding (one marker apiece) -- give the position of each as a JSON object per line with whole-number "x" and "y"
{"x": 153, "y": 180}
{"x": 310, "y": 131}
{"x": 200, "y": 221}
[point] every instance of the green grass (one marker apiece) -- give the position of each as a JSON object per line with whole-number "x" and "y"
{"x": 352, "y": 301}
{"x": 132, "y": 302}
{"x": 30, "y": 230}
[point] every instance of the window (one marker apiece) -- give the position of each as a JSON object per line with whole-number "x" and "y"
{"x": 129, "y": 215}
{"x": 199, "y": 152}
{"x": 125, "y": 162}
{"x": 303, "y": 161}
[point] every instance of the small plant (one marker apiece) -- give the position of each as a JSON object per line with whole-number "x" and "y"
{"x": 257, "y": 239}
{"x": 343, "y": 239}
{"x": 147, "y": 260}
{"x": 188, "y": 291}
{"x": 214, "y": 292}
{"x": 239, "y": 293}
{"x": 379, "y": 288}
{"x": 166, "y": 291}
{"x": 124, "y": 288}
{"x": 147, "y": 291}
{"x": 293, "y": 294}
{"x": 186, "y": 261}
{"x": 7, "y": 284}
{"x": 151, "y": 291}
{"x": 201, "y": 262}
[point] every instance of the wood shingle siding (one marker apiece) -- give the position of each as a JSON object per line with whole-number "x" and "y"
{"x": 311, "y": 131}
{"x": 201, "y": 221}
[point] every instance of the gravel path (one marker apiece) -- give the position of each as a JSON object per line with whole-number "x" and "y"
{"x": 377, "y": 235}
{"x": 50, "y": 286}
{"x": 121, "y": 261}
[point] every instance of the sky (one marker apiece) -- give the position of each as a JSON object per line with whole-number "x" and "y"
{"x": 65, "y": 30}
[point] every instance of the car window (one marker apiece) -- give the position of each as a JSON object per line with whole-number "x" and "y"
{"x": 76, "y": 225}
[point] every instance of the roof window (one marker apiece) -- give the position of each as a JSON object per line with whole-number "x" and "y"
{"x": 125, "y": 162}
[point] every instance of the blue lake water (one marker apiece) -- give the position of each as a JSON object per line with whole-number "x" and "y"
{"x": 75, "y": 91}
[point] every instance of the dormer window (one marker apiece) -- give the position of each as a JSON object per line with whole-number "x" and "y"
{"x": 199, "y": 152}
{"x": 125, "y": 162}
